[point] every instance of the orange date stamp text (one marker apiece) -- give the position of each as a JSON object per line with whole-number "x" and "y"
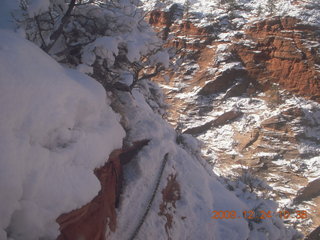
{"x": 259, "y": 214}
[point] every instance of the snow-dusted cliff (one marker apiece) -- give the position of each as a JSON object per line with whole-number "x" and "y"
{"x": 245, "y": 82}
{"x": 86, "y": 148}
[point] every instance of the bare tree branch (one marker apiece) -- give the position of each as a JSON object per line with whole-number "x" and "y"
{"x": 56, "y": 34}
{"x": 40, "y": 33}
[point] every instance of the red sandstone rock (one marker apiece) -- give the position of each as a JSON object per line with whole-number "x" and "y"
{"x": 281, "y": 56}
{"x": 170, "y": 195}
{"x": 91, "y": 221}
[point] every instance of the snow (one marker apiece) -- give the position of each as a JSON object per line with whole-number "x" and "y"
{"x": 222, "y": 143}
{"x": 136, "y": 44}
{"x": 223, "y": 47}
{"x": 37, "y": 7}
{"x": 85, "y": 68}
{"x": 313, "y": 166}
{"x": 209, "y": 11}
{"x": 126, "y": 78}
{"x": 201, "y": 193}
{"x": 161, "y": 57}
{"x": 56, "y": 127}
{"x": 7, "y": 7}
{"x": 104, "y": 47}
{"x": 139, "y": 44}
{"x": 229, "y": 66}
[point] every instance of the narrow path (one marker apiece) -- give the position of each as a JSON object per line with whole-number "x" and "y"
{"x": 136, "y": 231}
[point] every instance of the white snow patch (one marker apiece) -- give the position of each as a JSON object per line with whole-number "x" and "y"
{"x": 56, "y": 128}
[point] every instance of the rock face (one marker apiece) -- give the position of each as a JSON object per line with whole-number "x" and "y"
{"x": 225, "y": 118}
{"x": 91, "y": 221}
{"x": 312, "y": 190}
{"x": 222, "y": 82}
{"x": 284, "y": 52}
{"x": 164, "y": 22}
{"x": 315, "y": 235}
{"x": 259, "y": 72}
{"x": 277, "y": 50}
{"x": 170, "y": 195}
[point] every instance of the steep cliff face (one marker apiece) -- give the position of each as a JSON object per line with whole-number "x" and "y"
{"x": 280, "y": 50}
{"x": 88, "y": 161}
{"x": 251, "y": 81}
{"x": 283, "y": 51}
{"x": 97, "y": 161}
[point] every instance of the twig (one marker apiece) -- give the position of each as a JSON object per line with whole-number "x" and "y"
{"x": 56, "y": 34}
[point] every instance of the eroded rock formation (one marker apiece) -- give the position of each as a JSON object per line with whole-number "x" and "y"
{"x": 90, "y": 222}
{"x": 283, "y": 51}
{"x": 264, "y": 64}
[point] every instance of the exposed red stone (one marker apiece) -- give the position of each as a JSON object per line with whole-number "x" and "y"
{"x": 294, "y": 112}
{"x": 280, "y": 56}
{"x": 170, "y": 195}
{"x": 280, "y": 53}
{"x": 91, "y": 221}
{"x": 160, "y": 18}
{"x": 163, "y": 21}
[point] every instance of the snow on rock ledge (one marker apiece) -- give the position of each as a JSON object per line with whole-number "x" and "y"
{"x": 56, "y": 127}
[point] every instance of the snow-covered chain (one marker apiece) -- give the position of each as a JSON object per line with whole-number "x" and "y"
{"x": 136, "y": 231}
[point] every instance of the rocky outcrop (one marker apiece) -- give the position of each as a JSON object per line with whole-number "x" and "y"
{"x": 223, "y": 81}
{"x": 91, "y": 221}
{"x": 312, "y": 190}
{"x": 283, "y": 51}
{"x": 256, "y": 65}
{"x": 314, "y": 235}
{"x": 164, "y": 22}
{"x": 219, "y": 121}
{"x": 276, "y": 123}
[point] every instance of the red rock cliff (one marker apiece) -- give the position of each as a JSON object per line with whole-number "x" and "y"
{"x": 91, "y": 221}
{"x": 284, "y": 52}
{"x": 281, "y": 50}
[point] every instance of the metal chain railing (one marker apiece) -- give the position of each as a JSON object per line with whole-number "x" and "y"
{"x": 137, "y": 229}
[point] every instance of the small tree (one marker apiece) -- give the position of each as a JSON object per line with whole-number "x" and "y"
{"x": 83, "y": 34}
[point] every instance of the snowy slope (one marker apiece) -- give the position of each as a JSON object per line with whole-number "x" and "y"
{"x": 200, "y": 191}
{"x": 56, "y": 126}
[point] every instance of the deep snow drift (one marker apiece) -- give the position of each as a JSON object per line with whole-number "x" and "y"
{"x": 55, "y": 128}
